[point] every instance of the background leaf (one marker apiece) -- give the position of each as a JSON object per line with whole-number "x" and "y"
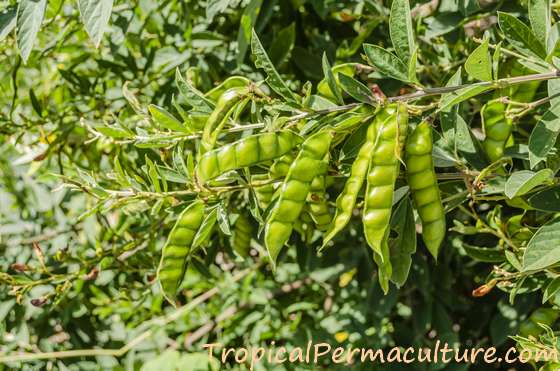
{"x": 95, "y": 15}
{"x": 29, "y": 18}
{"x": 7, "y": 22}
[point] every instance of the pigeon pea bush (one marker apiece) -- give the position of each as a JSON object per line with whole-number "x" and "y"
{"x": 373, "y": 173}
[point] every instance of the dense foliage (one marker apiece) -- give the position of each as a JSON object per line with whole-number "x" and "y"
{"x": 149, "y": 153}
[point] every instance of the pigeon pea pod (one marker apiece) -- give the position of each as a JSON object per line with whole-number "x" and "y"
{"x": 263, "y": 192}
{"x": 242, "y": 235}
{"x": 174, "y": 255}
{"x": 244, "y": 153}
{"x": 317, "y": 203}
{"x": 423, "y": 185}
{"x": 226, "y": 105}
{"x": 392, "y": 125}
{"x": 346, "y": 201}
{"x": 229, "y": 83}
{"x": 498, "y": 129}
{"x": 294, "y": 191}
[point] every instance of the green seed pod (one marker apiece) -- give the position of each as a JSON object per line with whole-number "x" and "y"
{"x": 294, "y": 191}
{"x": 317, "y": 203}
{"x": 230, "y": 82}
{"x": 346, "y": 201}
{"x": 424, "y": 188}
{"x": 348, "y": 69}
{"x": 225, "y": 107}
{"x": 174, "y": 255}
{"x": 264, "y": 193}
{"x": 382, "y": 175}
{"x": 498, "y": 129}
{"x": 241, "y": 240}
{"x": 245, "y": 152}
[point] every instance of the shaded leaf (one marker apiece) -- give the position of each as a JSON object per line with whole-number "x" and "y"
{"x": 544, "y": 135}
{"x": 521, "y": 182}
{"x": 7, "y": 22}
{"x": 247, "y": 23}
{"x": 283, "y": 44}
{"x": 542, "y": 250}
{"x": 192, "y": 95}
{"x": 546, "y": 200}
{"x": 356, "y": 89}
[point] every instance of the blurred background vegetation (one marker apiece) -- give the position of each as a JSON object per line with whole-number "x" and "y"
{"x": 77, "y": 273}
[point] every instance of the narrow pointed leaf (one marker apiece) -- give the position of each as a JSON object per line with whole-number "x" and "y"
{"x": 273, "y": 79}
{"x": 400, "y": 29}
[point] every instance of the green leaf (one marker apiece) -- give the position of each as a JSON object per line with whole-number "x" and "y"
{"x": 153, "y": 174}
{"x": 165, "y": 119}
{"x": 520, "y": 36}
{"x": 450, "y": 115}
{"x": 30, "y": 15}
{"x": 478, "y": 64}
{"x": 95, "y": 15}
{"x": 386, "y": 62}
{"x": 539, "y": 15}
{"x": 412, "y": 67}
{"x": 331, "y": 81}
{"x": 283, "y": 44}
{"x": 460, "y": 95}
{"x": 523, "y": 181}
{"x": 496, "y": 60}
{"x": 273, "y": 77}
{"x": 466, "y": 144}
{"x": 546, "y": 200}
{"x": 542, "y": 250}
{"x": 192, "y": 95}
{"x": 551, "y": 289}
{"x": 7, "y": 22}
{"x": 205, "y": 229}
{"x": 544, "y": 135}
{"x": 402, "y": 248}
{"x": 400, "y": 29}
{"x": 483, "y": 254}
{"x": 356, "y": 89}
{"x": 246, "y": 25}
